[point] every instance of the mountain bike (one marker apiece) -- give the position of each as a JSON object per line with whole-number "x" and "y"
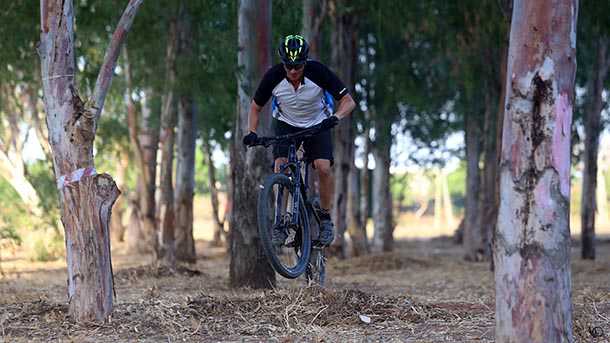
{"x": 284, "y": 206}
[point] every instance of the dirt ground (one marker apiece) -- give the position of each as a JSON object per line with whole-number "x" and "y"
{"x": 423, "y": 292}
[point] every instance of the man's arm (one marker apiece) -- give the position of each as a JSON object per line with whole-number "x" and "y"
{"x": 346, "y": 106}
{"x": 255, "y": 110}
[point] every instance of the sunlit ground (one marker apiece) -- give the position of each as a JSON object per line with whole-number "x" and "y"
{"x": 408, "y": 225}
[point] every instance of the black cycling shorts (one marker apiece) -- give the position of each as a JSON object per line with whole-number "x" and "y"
{"x": 317, "y": 147}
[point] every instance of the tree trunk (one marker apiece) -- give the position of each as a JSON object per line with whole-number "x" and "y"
{"x": 383, "y": 237}
{"x": 14, "y": 136}
{"x": 185, "y": 181}
{"x": 472, "y": 240}
{"x": 85, "y": 198}
{"x": 343, "y": 61}
{"x": 593, "y": 128}
{"x": 447, "y": 206}
{"x": 365, "y": 177}
{"x": 499, "y": 130}
{"x": 249, "y": 266}
{"x": 38, "y": 119}
{"x": 228, "y": 213}
{"x": 602, "y": 197}
{"x": 354, "y": 225}
{"x": 144, "y": 140}
{"x": 117, "y": 228}
{"x": 219, "y": 231}
{"x": 185, "y": 160}
{"x": 12, "y": 169}
{"x": 532, "y": 253}
{"x": 314, "y": 13}
{"x": 438, "y": 201}
{"x": 167, "y": 216}
{"x": 487, "y": 205}
{"x": 148, "y": 137}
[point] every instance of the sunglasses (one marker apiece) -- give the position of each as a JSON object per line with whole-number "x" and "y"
{"x": 294, "y": 66}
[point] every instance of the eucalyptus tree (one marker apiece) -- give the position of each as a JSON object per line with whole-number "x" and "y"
{"x": 166, "y": 210}
{"x": 86, "y": 198}
{"x": 405, "y": 87}
{"x": 249, "y": 266}
{"x": 594, "y": 65}
{"x": 20, "y": 114}
{"x": 217, "y": 95}
{"x": 185, "y": 138}
{"x": 476, "y": 45}
{"x": 532, "y": 251}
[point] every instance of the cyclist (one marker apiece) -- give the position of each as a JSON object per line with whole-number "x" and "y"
{"x": 298, "y": 87}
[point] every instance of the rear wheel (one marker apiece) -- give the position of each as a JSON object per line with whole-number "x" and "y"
{"x": 290, "y": 256}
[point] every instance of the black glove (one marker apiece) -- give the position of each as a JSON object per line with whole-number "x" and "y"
{"x": 250, "y": 139}
{"x": 329, "y": 122}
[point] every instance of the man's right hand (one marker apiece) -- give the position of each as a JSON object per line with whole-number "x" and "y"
{"x": 250, "y": 139}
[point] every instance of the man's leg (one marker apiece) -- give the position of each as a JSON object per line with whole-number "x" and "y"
{"x": 327, "y": 183}
{"x": 327, "y": 188}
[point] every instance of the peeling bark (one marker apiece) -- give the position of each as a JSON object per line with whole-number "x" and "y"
{"x": 86, "y": 201}
{"x": 249, "y": 266}
{"x": 532, "y": 252}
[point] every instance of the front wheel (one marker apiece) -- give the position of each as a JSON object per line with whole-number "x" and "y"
{"x": 290, "y": 256}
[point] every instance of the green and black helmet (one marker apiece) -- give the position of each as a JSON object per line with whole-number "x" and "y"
{"x": 293, "y": 50}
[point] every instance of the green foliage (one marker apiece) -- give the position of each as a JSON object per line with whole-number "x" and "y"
{"x": 19, "y": 29}
{"x": 457, "y": 186}
{"x": 13, "y": 216}
{"x": 45, "y": 245}
{"x": 10, "y": 234}
{"x": 399, "y": 187}
{"x": 214, "y": 65}
{"x": 202, "y": 180}
{"x": 41, "y": 177}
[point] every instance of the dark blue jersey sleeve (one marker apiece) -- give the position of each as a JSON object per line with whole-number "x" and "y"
{"x": 271, "y": 79}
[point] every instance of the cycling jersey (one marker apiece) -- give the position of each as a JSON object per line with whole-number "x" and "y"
{"x": 307, "y": 105}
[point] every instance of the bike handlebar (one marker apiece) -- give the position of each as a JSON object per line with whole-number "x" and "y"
{"x": 306, "y": 133}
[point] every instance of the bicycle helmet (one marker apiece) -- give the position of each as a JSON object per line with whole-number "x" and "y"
{"x": 293, "y": 50}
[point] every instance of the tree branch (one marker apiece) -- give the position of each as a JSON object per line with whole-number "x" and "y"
{"x": 104, "y": 77}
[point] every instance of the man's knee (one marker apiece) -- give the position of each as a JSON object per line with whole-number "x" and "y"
{"x": 323, "y": 167}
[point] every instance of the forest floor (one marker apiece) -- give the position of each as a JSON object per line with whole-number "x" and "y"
{"x": 423, "y": 292}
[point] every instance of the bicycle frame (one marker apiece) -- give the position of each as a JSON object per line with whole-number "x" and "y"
{"x": 294, "y": 165}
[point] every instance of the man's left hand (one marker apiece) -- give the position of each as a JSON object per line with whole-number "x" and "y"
{"x": 329, "y": 122}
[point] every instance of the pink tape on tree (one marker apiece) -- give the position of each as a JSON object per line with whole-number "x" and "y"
{"x": 75, "y": 176}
